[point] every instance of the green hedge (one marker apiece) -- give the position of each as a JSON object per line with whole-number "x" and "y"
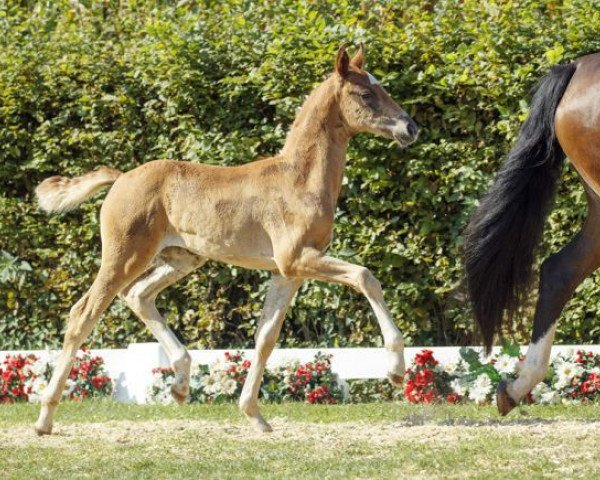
{"x": 119, "y": 83}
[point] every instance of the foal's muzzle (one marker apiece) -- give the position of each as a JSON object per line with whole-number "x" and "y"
{"x": 405, "y": 131}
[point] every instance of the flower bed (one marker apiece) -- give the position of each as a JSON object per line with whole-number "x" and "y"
{"x": 24, "y": 378}
{"x": 573, "y": 377}
{"x": 312, "y": 382}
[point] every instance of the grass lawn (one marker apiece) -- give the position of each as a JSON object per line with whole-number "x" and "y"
{"x": 101, "y": 439}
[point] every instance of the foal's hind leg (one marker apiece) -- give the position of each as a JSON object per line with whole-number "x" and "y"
{"x": 560, "y": 275}
{"x": 171, "y": 265}
{"x": 82, "y": 318}
{"x": 129, "y": 243}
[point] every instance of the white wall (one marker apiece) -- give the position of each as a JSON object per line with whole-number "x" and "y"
{"x": 131, "y": 368}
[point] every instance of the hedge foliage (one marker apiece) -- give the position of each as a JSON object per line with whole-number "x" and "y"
{"x": 119, "y": 83}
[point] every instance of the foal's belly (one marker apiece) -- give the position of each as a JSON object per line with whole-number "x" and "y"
{"x": 245, "y": 249}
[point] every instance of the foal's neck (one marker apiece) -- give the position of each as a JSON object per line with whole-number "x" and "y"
{"x": 317, "y": 142}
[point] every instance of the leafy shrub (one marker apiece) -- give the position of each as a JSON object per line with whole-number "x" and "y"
{"x": 84, "y": 84}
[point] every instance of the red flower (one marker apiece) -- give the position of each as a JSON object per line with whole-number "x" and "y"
{"x": 428, "y": 397}
{"x": 424, "y": 378}
{"x": 98, "y": 382}
{"x": 425, "y": 358}
{"x": 453, "y": 397}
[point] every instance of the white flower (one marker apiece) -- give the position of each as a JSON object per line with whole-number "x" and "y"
{"x": 484, "y": 357}
{"x": 478, "y": 395}
{"x": 38, "y": 386}
{"x": 561, "y": 382}
{"x": 566, "y": 371}
{"x": 569, "y": 352}
{"x": 450, "y": 368}
{"x": 458, "y": 387}
{"x": 219, "y": 365}
{"x": 229, "y": 386}
{"x": 539, "y": 391}
{"x": 70, "y": 387}
{"x": 209, "y": 382}
{"x": 506, "y": 364}
{"x": 550, "y": 397}
{"x": 480, "y": 389}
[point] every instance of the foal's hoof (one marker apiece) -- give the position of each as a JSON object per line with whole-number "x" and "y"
{"x": 504, "y": 401}
{"x": 179, "y": 396}
{"x": 260, "y": 424}
{"x": 395, "y": 379}
{"x": 43, "y": 430}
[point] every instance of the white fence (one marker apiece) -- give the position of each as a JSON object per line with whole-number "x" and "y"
{"x": 131, "y": 368}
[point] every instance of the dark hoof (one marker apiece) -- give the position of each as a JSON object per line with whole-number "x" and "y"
{"x": 395, "y": 379}
{"x": 504, "y": 401}
{"x": 40, "y": 431}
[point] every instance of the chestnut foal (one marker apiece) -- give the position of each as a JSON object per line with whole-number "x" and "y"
{"x": 165, "y": 219}
{"x": 503, "y": 233}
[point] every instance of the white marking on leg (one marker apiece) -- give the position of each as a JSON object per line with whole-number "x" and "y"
{"x": 533, "y": 369}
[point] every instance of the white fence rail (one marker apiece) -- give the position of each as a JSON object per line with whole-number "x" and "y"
{"x": 131, "y": 368}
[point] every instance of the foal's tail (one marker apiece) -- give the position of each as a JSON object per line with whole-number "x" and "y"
{"x": 502, "y": 235}
{"x": 60, "y": 194}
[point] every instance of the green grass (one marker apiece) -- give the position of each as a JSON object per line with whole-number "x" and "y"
{"x": 101, "y": 439}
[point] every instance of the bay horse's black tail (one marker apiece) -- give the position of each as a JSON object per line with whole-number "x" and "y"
{"x": 502, "y": 235}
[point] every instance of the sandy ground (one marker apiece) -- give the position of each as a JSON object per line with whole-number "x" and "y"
{"x": 383, "y": 434}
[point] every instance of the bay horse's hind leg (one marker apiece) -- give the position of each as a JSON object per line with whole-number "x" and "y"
{"x": 280, "y": 294}
{"x": 560, "y": 275}
{"x": 171, "y": 265}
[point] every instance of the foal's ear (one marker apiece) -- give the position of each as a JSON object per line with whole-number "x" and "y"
{"x": 342, "y": 62}
{"x": 358, "y": 60}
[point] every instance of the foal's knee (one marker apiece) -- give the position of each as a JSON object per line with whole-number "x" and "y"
{"x": 266, "y": 339}
{"x": 366, "y": 281}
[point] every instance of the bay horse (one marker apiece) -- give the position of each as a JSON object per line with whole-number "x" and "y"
{"x": 502, "y": 235}
{"x": 164, "y": 219}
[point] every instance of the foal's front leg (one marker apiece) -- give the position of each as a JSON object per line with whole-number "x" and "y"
{"x": 280, "y": 294}
{"x": 313, "y": 264}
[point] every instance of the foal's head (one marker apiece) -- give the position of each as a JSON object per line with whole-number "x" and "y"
{"x": 366, "y": 106}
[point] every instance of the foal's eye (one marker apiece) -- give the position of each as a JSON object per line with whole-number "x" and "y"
{"x": 366, "y": 95}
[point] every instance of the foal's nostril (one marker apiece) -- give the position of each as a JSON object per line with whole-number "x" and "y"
{"x": 412, "y": 128}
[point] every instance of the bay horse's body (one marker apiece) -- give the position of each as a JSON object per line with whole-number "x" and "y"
{"x": 164, "y": 219}
{"x": 502, "y": 236}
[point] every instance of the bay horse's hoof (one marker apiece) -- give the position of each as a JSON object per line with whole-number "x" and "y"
{"x": 504, "y": 401}
{"x": 395, "y": 379}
